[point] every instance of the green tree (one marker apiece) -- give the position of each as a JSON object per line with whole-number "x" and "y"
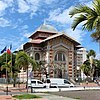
{"x": 91, "y": 53}
{"x": 15, "y": 70}
{"x": 89, "y": 65}
{"x": 41, "y": 68}
{"x": 23, "y": 61}
{"x": 97, "y": 68}
{"x": 8, "y": 67}
{"x": 5, "y": 58}
{"x": 90, "y": 17}
{"x": 86, "y": 68}
{"x": 90, "y": 56}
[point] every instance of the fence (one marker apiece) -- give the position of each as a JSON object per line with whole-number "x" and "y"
{"x": 3, "y": 80}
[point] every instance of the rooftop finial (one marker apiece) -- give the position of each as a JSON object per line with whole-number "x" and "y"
{"x": 44, "y": 22}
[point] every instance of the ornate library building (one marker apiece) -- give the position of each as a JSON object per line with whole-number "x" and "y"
{"x": 55, "y": 53}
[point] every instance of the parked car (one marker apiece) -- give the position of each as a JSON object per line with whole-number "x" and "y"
{"x": 34, "y": 83}
{"x": 58, "y": 82}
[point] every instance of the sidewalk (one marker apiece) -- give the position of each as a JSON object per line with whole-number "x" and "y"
{"x": 6, "y": 97}
{"x": 89, "y": 84}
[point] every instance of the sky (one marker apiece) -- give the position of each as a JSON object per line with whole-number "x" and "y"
{"x": 20, "y": 18}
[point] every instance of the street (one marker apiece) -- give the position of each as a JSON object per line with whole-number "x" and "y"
{"x": 82, "y": 95}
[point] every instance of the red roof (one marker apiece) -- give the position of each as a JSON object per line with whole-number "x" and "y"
{"x": 36, "y": 41}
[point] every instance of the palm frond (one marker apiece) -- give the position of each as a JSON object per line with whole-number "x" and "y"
{"x": 96, "y": 6}
{"x": 81, "y": 9}
{"x": 33, "y": 63}
{"x": 78, "y": 20}
{"x": 89, "y": 25}
{"x": 91, "y": 15}
{"x": 96, "y": 36}
{"x": 96, "y": 22}
{"x": 23, "y": 60}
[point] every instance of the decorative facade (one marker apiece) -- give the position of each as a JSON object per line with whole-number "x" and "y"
{"x": 54, "y": 51}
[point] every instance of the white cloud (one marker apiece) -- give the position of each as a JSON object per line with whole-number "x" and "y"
{"x": 20, "y": 47}
{"x": 8, "y": 1}
{"x": 28, "y": 6}
{"x": 34, "y": 6}
{"x": 65, "y": 21}
{"x": 60, "y": 17}
{"x": 3, "y": 6}
{"x": 4, "y": 22}
{"x": 49, "y": 1}
{"x": 27, "y": 35}
{"x": 77, "y": 34}
{"x": 23, "y": 6}
{"x": 25, "y": 27}
{"x": 15, "y": 41}
{"x": 63, "y": 17}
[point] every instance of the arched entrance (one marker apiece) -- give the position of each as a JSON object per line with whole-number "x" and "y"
{"x": 60, "y": 65}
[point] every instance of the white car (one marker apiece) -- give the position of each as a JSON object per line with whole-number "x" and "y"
{"x": 58, "y": 82}
{"x": 34, "y": 83}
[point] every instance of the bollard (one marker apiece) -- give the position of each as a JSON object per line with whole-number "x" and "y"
{"x": 31, "y": 90}
{"x": 59, "y": 90}
{"x": 7, "y": 90}
{"x": 84, "y": 87}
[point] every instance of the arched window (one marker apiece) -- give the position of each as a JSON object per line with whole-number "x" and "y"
{"x": 60, "y": 56}
{"x": 37, "y": 56}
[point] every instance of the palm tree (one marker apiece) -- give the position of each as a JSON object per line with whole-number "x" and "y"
{"x": 23, "y": 61}
{"x": 90, "y": 17}
{"x": 88, "y": 67}
{"x": 6, "y": 66}
{"x": 15, "y": 71}
{"x": 97, "y": 69}
{"x": 91, "y": 53}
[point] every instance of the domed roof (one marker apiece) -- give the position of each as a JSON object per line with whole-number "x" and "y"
{"x": 47, "y": 28}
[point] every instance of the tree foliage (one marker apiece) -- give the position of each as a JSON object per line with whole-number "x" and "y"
{"x": 90, "y": 16}
{"x": 23, "y": 60}
{"x": 91, "y": 53}
{"x": 91, "y": 69}
{"x": 7, "y": 61}
{"x": 86, "y": 67}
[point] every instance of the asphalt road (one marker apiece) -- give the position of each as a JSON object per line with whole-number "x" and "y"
{"x": 81, "y": 95}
